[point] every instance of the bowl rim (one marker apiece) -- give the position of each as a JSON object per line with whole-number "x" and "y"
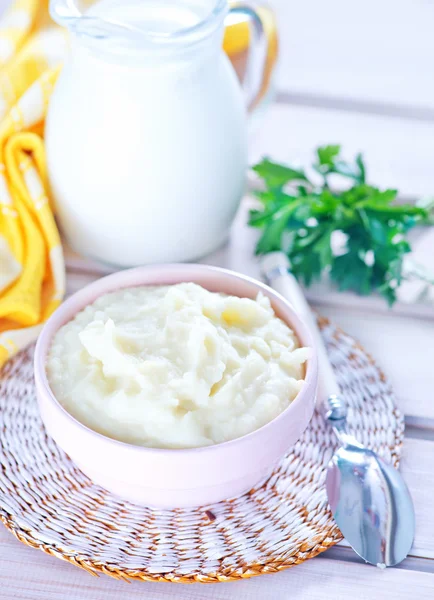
{"x": 63, "y": 314}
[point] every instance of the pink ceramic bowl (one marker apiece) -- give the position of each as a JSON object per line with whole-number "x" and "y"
{"x": 175, "y": 478}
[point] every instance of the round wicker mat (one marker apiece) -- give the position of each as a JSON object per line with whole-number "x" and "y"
{"x": 47, "y": 503}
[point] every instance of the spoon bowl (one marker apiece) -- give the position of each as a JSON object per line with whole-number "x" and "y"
{"x": 368, "y": 497}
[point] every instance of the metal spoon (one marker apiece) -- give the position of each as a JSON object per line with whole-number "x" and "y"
{"x": 369, "y": 499}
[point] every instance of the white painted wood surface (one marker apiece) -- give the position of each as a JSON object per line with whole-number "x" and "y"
{"x": 359, "y": 74}
{"x": 27, "y": 574}
{"x": 399, "y": 152}
{"x": 377, "y": 55}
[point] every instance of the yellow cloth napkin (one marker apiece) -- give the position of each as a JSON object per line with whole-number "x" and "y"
{"x": 32, "y": 271}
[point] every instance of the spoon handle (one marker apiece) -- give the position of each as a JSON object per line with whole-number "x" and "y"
{"x": 275, "y": 268}
{"x": 336, "y": 411}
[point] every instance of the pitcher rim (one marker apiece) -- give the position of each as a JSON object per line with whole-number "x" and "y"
{"x": 202, "y": 29}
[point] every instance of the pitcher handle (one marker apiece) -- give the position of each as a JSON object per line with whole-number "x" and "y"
{"x": 258, "y": 51}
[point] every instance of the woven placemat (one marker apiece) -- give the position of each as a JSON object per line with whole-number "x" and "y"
{"x": 47, "y": 503}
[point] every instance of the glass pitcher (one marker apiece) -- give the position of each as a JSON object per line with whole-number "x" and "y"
{"x": 146, "y": 129}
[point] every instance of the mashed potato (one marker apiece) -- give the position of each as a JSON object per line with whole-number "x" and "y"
{"x": 175, "y": 366}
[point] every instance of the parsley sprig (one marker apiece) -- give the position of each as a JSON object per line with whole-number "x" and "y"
{"x": 301, "y": 216}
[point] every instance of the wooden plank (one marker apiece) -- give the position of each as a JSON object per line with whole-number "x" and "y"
{"x": 416, "y": 468}
{"x": 26, "y": 573}
{"x": 3, "y": 5}
{"x": 379, "y": 52}
{"x": 387, "y": 336}
{"x": 324, "y": 294}
{"x": 402, "y": 346}
{"x": 398, "y": 152}
{"x": 238, "y": 254}
{"x": 347, "y": 554}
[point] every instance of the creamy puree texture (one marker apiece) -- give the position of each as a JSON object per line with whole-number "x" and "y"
{"x": 175, "y": 366}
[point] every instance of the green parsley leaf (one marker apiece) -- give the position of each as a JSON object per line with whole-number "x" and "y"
{"x": 277, "y": 176}
{"x": 362, "y": 169}
{"x": 300, "y": 217}
{"x": 327, "y": 154}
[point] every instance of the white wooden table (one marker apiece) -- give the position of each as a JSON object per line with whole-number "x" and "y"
{"x": 359, "y": 74}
